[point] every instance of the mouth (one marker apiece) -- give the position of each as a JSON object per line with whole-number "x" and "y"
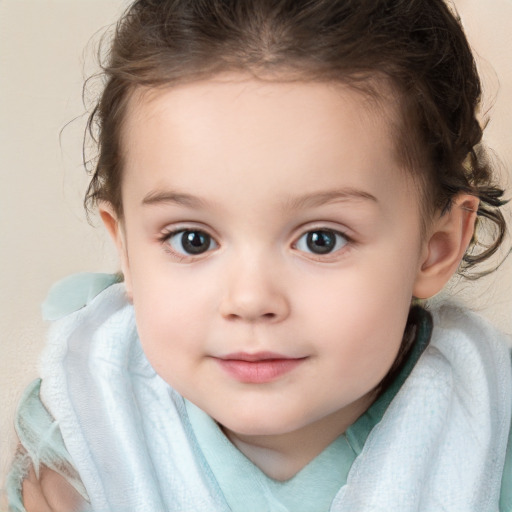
{"x": 258, "y": 368}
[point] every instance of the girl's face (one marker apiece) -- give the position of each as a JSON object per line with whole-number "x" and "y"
{"x": 271, "y": 244}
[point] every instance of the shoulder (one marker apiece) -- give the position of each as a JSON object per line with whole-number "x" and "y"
{"x": 83, "y": 309}
{"x": 456, "y": 327}
{"x": 448, "y": 314}
{"x": 459, "y": 328}
{"x": 75, "y": 292}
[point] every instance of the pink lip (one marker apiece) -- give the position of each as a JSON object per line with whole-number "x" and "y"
{"x": 257, "y": 368}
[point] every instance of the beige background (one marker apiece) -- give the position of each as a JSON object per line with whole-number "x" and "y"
{"x": 44, "y": 233}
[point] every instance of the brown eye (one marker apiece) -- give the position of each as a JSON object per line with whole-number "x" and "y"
{"x": 321, "y": 241}
{"x": 191, "y": 242}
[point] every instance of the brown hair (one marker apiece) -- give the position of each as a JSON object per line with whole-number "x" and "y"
{"x": 417, "y": 46}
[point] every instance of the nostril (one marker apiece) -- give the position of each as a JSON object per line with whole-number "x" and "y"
{"x": 264, "y": 316}
{"x": 255, "y": 306}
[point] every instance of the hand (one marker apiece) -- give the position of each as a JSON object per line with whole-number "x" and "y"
{"x": 50, "y": 493}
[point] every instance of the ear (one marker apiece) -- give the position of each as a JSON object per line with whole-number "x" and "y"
{"x": 445, "y": 245}
{"x": 115, "y": 228}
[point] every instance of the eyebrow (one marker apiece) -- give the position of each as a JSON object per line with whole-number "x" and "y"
{"x": 329, "y": 196}
{"x": 310, "y": 200}
{"x": 169, "y": 196}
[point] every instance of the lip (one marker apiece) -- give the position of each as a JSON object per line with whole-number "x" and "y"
{"x": 259, "y": 367}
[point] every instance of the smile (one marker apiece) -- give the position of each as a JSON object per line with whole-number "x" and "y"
{"x": 258, "y": 368}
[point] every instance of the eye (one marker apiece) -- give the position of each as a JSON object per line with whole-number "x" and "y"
{"x": 321, "y": 241}
{"x": 190, "y": 242}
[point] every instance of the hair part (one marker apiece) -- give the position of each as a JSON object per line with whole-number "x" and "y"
{"x": 417, "y": 47}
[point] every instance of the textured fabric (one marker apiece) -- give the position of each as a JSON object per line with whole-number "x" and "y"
{"x": 440, "y": 444}
{"x": 506, "y": 482}
{"x": 247, "y": 489}
{"x": 125, "y": 429}
{"x": 18, "y": 471}
{"x": 74, "y": 292}
{"x": 241, "y": 482}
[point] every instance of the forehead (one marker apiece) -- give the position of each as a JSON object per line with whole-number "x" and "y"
{"x": 228, "y": 133}
{"x": 235, "y": 95}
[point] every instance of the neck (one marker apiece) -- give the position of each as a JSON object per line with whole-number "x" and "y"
{"x": 282, "y": 456}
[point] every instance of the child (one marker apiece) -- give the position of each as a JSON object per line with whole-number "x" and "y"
{"x": 283, "y": 179}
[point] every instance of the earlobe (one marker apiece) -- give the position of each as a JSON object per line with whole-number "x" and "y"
{"x": 115, "y": 229}
{"x": 445, "y": 246}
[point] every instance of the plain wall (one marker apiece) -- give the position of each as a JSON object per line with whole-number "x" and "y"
{"x": 44, "y": 233}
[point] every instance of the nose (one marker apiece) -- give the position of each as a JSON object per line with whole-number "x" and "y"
{"x": 254, "y": 293}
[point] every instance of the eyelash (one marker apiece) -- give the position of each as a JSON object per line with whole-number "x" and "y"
{"x": 167, "y": 235}
{"x": 332, "y": 251}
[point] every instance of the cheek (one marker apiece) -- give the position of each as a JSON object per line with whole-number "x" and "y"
{"x": 167, "y": 298}
{"x": 359, "y": 344}
{"x": 369, "y": 290}
{"x": 360, "y": 314}
{"x": 169, "y": 324}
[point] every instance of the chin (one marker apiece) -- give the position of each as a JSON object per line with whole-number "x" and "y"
{"x": 253, "y": 431}
{"x": 265, "y": 425}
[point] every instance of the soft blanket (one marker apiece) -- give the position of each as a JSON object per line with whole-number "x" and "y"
{"x": 440, "y": 445}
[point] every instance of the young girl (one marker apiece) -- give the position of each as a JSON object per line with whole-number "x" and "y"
{"x": 283, "y": 179}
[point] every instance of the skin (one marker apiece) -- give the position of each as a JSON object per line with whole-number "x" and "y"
{"x": 49, "y": 493}
{"x": 256, "y": 166}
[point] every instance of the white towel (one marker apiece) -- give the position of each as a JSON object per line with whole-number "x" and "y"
{"x": 440, "y": 445}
